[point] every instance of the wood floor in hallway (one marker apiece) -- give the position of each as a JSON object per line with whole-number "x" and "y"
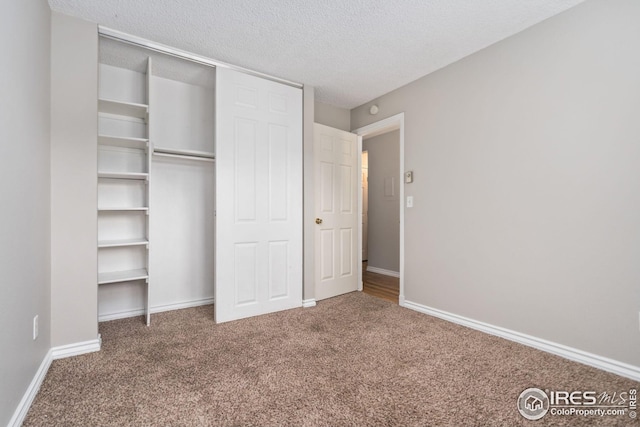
{"x": 380, "y": 285}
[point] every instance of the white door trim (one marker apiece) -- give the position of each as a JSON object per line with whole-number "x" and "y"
{"x": 390, "y": 123}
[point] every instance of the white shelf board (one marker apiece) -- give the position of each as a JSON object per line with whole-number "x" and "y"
{"x": 123, "y": 142}
{"x": 122, "y": 276}
{"x": 122, "y": 209}
{"x": 120, "y": 108}
{"x": 122, "y": 243}
{"x": 124, "y": 175}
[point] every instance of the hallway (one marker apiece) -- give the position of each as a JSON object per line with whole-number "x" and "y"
{"x": 380, "y": 285}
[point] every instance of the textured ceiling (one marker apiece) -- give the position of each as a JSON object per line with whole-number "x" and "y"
{"x": 351, "y": 50}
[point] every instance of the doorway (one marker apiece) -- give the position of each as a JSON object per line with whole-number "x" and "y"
{"x": 389, "y": 188}
{"x": 381, "y": 215}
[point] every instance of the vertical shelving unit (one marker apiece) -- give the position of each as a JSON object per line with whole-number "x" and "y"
{"x": 124, "y": 163}
{"x": 156, "y": 182}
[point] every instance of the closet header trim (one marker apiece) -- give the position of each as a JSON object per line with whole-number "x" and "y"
{"x": 158, "y": 47}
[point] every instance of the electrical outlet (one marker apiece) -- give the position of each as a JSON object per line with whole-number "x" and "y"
{"x": 35, "y": 327}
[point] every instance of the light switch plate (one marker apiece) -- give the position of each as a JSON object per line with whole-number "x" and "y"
{"x": 409, "y": 201}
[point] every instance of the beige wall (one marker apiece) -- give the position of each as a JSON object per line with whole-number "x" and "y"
{"x": 74, "y": 91}
{"x": 384, "y": 209}
{"x": 526, "y": 160}
{"x": 336, "y": 117}
{"x": 24, "y": 190}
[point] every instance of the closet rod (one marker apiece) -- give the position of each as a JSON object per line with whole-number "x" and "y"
{"x": 182, "y": 54}
{"x": 184, "y": 156}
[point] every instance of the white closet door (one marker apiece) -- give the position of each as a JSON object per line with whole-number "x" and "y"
{"x": 258, "y": 196}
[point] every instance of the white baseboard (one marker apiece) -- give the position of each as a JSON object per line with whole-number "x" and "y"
{"x": 383, "y": 271}
{"x": 181, "y": 305}
{"x": 23, "y": 407}
{"x": 75, "y": 349}
{"x": 120, "y": 315}
{"x": 155, "y": 309}
{"x": 600, "y": 362}
{"x": 311, "y": 302}
{"x": 53, "y": 354}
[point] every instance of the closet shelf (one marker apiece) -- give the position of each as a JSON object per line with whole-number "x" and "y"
{"x": 122, "y": 243}
{"x": 122, "y": 276}
{"x": 123, "y": 142}
{"x": 124, "y": 175}
{"x": 120, "y": 108}
{"x": 123, "y": 209}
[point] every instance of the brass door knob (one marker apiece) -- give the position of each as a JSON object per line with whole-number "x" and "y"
{"x": 318, "y": 220}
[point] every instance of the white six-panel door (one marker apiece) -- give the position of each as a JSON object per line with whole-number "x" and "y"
{"x": 336, "y": 193}
{"x": 258, "y": 196}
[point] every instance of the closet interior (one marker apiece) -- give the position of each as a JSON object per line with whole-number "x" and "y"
{"x": 156, "y": 181}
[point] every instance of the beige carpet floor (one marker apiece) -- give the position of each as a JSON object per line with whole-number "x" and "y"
{"x": 353, "y": 360}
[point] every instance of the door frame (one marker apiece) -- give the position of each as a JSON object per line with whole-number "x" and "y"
{"x": 395, "y": 122}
